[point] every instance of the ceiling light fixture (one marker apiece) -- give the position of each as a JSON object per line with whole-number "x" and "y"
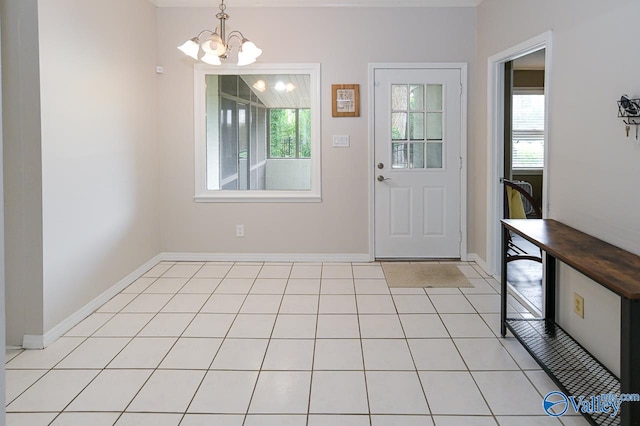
{"x": 217, "y": 46}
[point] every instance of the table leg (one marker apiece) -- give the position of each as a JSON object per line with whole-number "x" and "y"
{"x": 550, "y": 291}
{"x": 503, "y": 281}
{"x": 629, "y": 359}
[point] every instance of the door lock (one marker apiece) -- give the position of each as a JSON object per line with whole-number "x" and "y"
{"x": 380, "y": 166}
{"x": 382, "y": 178}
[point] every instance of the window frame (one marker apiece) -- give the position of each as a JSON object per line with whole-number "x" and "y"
{"x": 530, "y": 170}
{"x": 202, "y": 194}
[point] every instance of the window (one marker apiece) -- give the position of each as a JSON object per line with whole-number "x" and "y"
{"x": 528, "y": 131}
{"x": 257, "y": 133}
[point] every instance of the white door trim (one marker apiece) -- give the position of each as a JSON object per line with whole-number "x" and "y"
{"x": 462, "y": 66}
{"x": 495, "y": 138}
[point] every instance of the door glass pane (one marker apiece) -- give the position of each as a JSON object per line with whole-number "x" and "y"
{"x": 417, "y": 155}
{"x": 434, "y": 155}
{"x": 416, "y": 126}
{"x": 399, "y": 97}
{"x": 416, "y": 99}
{"x": 434, "y": 97}
{"x": 434, "y": 126}
{"x": 399, "y": 157}
{"x": 399, "y": 126}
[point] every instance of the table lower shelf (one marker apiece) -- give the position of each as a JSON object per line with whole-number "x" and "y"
{"x": 569, "y": 365}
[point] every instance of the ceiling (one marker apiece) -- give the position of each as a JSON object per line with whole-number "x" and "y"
{"x": 318, "y": 3}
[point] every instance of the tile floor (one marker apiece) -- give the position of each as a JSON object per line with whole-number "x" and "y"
{"x": 283, "y": 344}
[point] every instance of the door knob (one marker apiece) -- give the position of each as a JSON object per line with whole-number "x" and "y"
{"x": 380, "y": 166}
{"x": 382, "y": 178}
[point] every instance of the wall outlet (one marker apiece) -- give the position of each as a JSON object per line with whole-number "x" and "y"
{"x": 578, "y": 305}
{"x": 239, "y": 231}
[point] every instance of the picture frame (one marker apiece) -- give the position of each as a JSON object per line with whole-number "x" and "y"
{"x": 345, "y": 100}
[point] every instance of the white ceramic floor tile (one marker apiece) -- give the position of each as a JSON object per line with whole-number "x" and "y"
{"x": 275, "y": 271}
{"x": 12, "y": 353}
{"x": 95, "y": 352}
{"x": 167, "y": 325}
{"x": 182, "y": 270}
{"x": 139, "y": 285}
{"x": 338, "y": 392}
{"x": 244, "y": 271}
{"x": 269, "y": 286}
{"x": 423, "y": 326}
{"x": 257, "y": 326}
{"x": 299, "y": 304}
{"x": 498, "y": 387}
{"x": 485, "y": 354}
{"x": 289, "y": 354}
{"x": 223, "y": 304}
{"x": 167, "y": 391}
{"x": 124, "y": 325}
{"x": 306, "y": 271}
{"x": 574, "y": 421}
{"x": 391, "y": 420}
{"x": 159, "y": 269}
{"x": 303, "y": 286}
{"x": 485, "y": 303}
{"x": 212, "y": 419}
{"x": 368, "y": 271}
{"x": 295, "y": 327}
{"x": 337, "y": 304}
{"x": 371, "y": 286}
{"x": 380, "y": 327}
{"x": 143, "y": 352}
{"x": 17, "y": 381}
{"x": 338, "y": 326}
{"x": 117, "y": 302}
{"x": 89, "y": 325}
{"x": 53, "y": 391}
{"x": 337, "y": 286}
{"x": 147, "y": 303}
{"x": 466, "y": 325}
{"x": 261, "y": 304}
{"x": 452, "y": 392}
{"x": 149, "y": 419}
{"x": 235, "y": 286}
{"x": 542, "y": 383}
{"x": 519, "y": 354}
{"x": 395, "y": 392}
{"x": 337, "y": 271}
{"x": 451, "y": 304}
{"x": 386, "y": 354}
{"x": 276, "y": 420}
{"x": 224, "y": 392}
{"x": 186, "y": 303}
{"x": 111, "y": 390}
{"x": 342, "y": 420}
{"x": 413, "y": 304}
{"x": 30, "y": 419}
{"x": 528, "y": 421}
{"x": 45, "y": 358}
{"x": 480, "y": 286}
{"x": 375, "y": 304}
{"x": 201, "y": 285}
{"x": 209, "y": 325}
{"x": 84, "y": 419}
{"x": 464, "y": 420}
{"x": 469, "y": 271}
{"x": 191, "y": 353}
{"x": 435, "y": 354}
{"x": 166, "y": 285}
{"x": 284, "y": 392}
{"x": 433, "y": 291}
{"x": 338, "y": 354}
{"x": 213, "y": 271}
{"x": 406, "y": 290}
{"x": 240, "y": 354}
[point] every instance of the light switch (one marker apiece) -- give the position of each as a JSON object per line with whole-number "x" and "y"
{"x": 341, "y": 141}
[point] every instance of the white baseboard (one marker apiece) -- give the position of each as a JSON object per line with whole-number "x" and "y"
{"x": 266, "y": 257}
{"x": 39, "y": 342}
{"x": 473, "y": 257}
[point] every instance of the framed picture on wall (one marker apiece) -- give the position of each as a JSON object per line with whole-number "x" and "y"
{"x": 345, "y": 100}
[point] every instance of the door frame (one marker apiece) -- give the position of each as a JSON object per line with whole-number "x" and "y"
{"x": 495, "y": 139}
{"x": 462, "y": 67}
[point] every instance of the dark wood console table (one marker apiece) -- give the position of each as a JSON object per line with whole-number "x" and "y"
{"x": 568, "y": 364}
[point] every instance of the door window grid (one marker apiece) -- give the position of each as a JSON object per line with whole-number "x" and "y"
{"x": 416, "y": 126}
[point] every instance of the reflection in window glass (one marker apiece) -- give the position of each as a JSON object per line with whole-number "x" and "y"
{"x": 416, "y": 99}
{"x": 399, "y": 97}
{"x": 399, "y": 156}
{"x": 417, "y": 155}
{"x": 434, "y": 126}
{"x": 434, "y": 97}
{"x": 399, "y": 126}
{"x": 416, "y": 126}
{"x": 434, "y": 155}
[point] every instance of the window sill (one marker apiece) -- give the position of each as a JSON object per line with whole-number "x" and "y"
{"x": 258, "y": 197}
{"x": 527, "y": 172}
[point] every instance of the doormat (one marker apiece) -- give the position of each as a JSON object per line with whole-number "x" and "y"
{"x": 415, "y": 275}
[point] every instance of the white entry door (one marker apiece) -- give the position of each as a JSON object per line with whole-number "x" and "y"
{"x": 418, "y": 163}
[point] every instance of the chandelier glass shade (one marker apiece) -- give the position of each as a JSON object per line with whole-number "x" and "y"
{"x": 216, "y": 47}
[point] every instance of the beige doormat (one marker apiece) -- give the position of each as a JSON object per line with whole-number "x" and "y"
{"x": 424, "y": 275}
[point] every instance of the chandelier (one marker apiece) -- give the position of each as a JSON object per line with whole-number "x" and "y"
{"x": 217, "y": 45}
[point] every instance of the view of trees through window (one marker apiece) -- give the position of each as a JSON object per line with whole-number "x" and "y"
{"x": 289, "y": 133}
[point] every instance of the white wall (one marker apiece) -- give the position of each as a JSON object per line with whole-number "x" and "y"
{"x": 344, "y": 41}
{"x": 593, "y": 168}
{"x": 3, "y": 322}
{"x": 99, "y": 147}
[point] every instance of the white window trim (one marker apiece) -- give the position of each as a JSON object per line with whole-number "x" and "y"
{"x": 204, "y": 195}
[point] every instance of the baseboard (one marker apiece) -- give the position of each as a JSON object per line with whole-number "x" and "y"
{"x": 39, "y": 342}
{"x": 266, "y": 257}
{"x": 474, "y": 257}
